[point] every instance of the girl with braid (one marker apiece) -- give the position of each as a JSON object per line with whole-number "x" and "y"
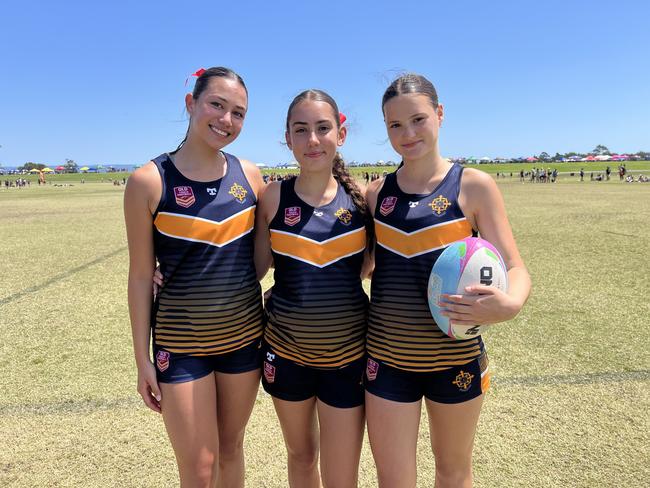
{"x": 313, "y": 229}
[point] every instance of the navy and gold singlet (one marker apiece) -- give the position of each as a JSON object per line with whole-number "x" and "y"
{"x": 412, "y": 230}
{"x": 211, "y": 301}
{"x": 318, "y": 310}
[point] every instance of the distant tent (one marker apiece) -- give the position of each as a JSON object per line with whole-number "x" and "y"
{"x": 60, "y": 168}
{"x": 48, "y": 170}
{"x": 531, "y": 159}
{"x": 34, "y": 170}
{"x": 84, "y": 168}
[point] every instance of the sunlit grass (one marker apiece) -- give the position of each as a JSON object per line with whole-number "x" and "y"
{"x": 570, "y": 395}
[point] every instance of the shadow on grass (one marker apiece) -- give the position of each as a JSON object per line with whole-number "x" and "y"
{"x": 59, "y": 277}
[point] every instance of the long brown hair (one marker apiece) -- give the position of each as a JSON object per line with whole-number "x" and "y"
{"x": 339, "y": 170}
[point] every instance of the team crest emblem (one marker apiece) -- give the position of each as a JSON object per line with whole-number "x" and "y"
{"x": 463, "y": 380}
{"x": 439, "y": 205}
{"x": 239, "y": 192}
{"x": 344, "y": 215}
{"x": 269, "y": 372}
{"x": 291, "y": 215}
{"x": 162, "y": 360}
{"x": 372, "y": 368}
{"x": 184, "y": 196}
{"x": 387, "y": 205}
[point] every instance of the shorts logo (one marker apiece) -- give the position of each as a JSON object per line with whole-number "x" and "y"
{"x": 184, "y": 196}
{"x": 291, "y": 215}
{"x": 269, "y": 372}
{"x": 344, "y": 215}
{"x": 463, "y": 380}
{"x": 239, "y": 192}
{"x": 270, "y": 356}
{"x": 372, "y": 368}
{"x": 439, "y": 205}
{"x": 387, "y": 205}
{"x": 413, "y": 204}
{"x": 162, "y": 360}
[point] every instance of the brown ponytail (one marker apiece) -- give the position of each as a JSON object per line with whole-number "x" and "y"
{"x": 345, "y": 179}
{"x": 339, "y": 171}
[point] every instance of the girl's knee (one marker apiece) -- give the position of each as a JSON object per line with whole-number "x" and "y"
{"x": 453, "y": 473}
{"x": 200, "y": 471}
{"x": 304, "y": 459}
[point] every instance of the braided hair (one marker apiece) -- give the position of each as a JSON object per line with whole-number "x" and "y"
{"x": 339, "y": 170}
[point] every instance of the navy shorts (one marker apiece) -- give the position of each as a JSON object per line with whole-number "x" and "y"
{"x": 454, "y": 385}
{"x": 287, "y": 380}
{"x": 178, "y": 368}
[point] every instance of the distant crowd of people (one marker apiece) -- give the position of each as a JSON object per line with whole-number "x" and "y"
{"x": 19, "y": 183}
{"x": 537, "y": 175}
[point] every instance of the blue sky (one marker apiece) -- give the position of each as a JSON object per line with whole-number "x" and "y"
{"x": 104, "y": 83}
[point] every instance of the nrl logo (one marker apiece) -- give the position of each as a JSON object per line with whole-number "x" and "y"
{"x": 387, "y": 205}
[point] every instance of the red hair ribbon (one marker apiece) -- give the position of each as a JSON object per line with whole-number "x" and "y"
{"x": 197, "y": 73}
{"x": 342, "y": 118}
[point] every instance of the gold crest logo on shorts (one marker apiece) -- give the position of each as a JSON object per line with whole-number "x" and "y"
{"x": 439, "y": 205}
{"x": 344, "y": 215}
{"x": 463, "y": 380}
{"x": 239, "y": 192}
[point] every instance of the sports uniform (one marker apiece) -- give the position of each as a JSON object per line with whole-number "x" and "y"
{"x": 208, "y": 315}
{"x": 408, "y": 355}
{"x": 317, "y": 312}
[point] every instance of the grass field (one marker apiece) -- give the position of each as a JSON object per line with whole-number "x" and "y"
{"x": 571, "y": 390}
{"x": 514, "y": 168}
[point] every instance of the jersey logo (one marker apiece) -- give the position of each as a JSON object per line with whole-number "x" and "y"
{"x": 318, "y": 213}
{"x": 387, "y": 205}
{"x": 413, "y": 204}
{"x": 291, "y": 215}
{"x": 238, "y": 191}
{"x": 439, "y": 205}
{"x": 162, "y": 360}
{"x": 344, "y": 215}
{"x": 211, "y": 191}
{"x": 184, "y": 196}
{"x": 372, "y": 368}
{"x": 463, "y": 381}
{"x": 269, "y": 372}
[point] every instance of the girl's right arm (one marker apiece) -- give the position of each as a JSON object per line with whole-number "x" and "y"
{"x": 141, "y": 198}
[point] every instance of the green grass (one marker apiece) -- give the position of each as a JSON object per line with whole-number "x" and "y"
{"x": 75, "y": 178}
{"x": 568, "y": 406}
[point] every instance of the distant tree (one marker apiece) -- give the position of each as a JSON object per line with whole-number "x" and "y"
{"x": 70, "y": 166}
{"x": 31, "y": 166}
{"x": 544, "y": 156}
{"x": 601, "y": 150}
{"x": 557, "y": 157}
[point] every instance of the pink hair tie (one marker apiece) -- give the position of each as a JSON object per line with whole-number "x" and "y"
{"x": 197, "y": 73}
{"x": 342, "y": 118}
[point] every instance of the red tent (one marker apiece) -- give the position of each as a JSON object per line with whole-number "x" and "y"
{"x": 60, "y": 168}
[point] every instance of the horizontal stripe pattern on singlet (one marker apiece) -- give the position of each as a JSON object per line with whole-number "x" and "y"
{"x": 317, "y": 312}
{"x": 412, "y": 231}
{"x": 211, "y": 301}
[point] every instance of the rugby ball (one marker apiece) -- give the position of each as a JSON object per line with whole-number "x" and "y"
{"x": 471, "y": 261}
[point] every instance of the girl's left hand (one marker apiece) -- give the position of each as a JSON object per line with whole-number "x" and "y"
{"x": 481, "y": 305}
